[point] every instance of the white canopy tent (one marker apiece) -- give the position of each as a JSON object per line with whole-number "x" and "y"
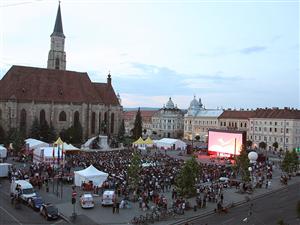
{"x": 170, "y": 143}
{"x": 3, "y": 152}
{"x": 33, "y": 144}
{"x": 45, "y": 154}
{"x": 90, "y": 174}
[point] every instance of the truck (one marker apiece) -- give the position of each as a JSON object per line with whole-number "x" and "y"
{"x": 26, "y": 190}
{"x": 4, "y": 169}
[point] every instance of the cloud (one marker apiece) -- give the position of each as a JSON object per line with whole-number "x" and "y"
{"x": 252, "y": 49}
{"x": 155, "y": 80}
{"x": 225, "y": 52}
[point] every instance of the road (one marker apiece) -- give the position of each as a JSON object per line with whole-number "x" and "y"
{"x": 23, "y": 216}
{"x": 266, "y": 210}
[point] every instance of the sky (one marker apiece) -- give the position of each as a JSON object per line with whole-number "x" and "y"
{"x": 231, "y": 54}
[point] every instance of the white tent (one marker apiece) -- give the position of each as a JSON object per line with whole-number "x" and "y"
{"x": 45, "y": 154}
{"x": 68, "y": 147}
{"x": 90, "y": 174}
{"x": 3, "y": 152}
{"x": 35, "y": 144}
{"x": 170, "y": 143}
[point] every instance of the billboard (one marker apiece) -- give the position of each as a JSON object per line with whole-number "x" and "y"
{"x": 225, "y": 142}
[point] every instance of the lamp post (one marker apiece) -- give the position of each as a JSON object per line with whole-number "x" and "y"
{"x": 252, "y": 156}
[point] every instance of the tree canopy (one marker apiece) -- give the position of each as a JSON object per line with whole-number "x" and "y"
{"x": 134, "y": 169}
{"x": 138, "y": 125}
{"x": 186, "y": 179}
{"x": 242, "y": 165}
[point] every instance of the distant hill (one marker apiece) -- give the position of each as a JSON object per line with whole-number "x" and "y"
{"x": 141, "y": 108}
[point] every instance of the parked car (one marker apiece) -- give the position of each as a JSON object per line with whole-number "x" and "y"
{"x": 108, "y": 197}
{"x": 87, "y": 201}
{"x": 49, "y": 211}
{"x": 35, "y": 203}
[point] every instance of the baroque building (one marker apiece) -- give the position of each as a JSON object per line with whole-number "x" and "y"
{"x": 198, "y": 120}
{"x": 58, "y": 96}
{"x": 168, "y": 121}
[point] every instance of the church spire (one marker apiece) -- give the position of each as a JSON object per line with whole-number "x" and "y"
{"x": 58, "y": 28}
{"x": 57, "y": 55}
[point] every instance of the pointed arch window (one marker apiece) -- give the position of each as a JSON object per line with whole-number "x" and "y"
{"x": 42, "y": 116}
{"x": 57, "y": 63}
{"x": 112, "y": 122}
{"x": 106, "y": 122}
{"x": 93, "y": 122}
{"x": 62, "y": 116}
{"x": 23, "y": 120}
{"x": 100, "y": 122}
{"x": 76, "y": 118}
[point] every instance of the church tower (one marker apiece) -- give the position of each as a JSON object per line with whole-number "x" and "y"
{"x": 57, "y": 55}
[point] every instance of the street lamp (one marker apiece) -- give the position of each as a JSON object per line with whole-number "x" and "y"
{"x": 252, "y": 156}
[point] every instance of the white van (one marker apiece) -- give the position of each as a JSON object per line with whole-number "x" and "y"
{"x": 26, "y": 189}
{"x": 108, "y": 197}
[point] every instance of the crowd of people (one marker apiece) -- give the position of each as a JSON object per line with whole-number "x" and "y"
{"x": 156, "y": 177}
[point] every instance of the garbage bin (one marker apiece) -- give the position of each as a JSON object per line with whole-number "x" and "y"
{"x": 195, "y": 208}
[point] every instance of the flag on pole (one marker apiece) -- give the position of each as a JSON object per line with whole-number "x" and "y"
{"x": 58, "y": 154}
{"x": 63, "y": 155}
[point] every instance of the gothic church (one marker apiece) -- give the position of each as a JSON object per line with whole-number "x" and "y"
{"x": 59, "y": 96}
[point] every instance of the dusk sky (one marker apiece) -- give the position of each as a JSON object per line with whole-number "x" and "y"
{"x": 237, "y": 54}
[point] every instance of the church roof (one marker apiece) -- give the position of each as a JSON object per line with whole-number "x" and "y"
{"x": 30, "y": 83}
{"x": 58, "y": 28}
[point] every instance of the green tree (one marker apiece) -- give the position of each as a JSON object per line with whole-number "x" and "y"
{"x": 121, "y": 132}
{"x": 287, "y": 162}
{"x": 294, "y": 161}
{"x": 17, "y": 139}
{"x": 262, "y": 145}
{"x": 35, "y": 129}
{"x": 51, "y": 134}
{"x": 242, "y": 165}
{"x": 44, "y": 131}
{"x": 73, "y": 134}
{"x": 63, "y": 135}
{"x": 3, "y": 139}
{"x": 186, "y": 179}
{"x": 134, "y": 169}
{"x": 249, "y": 143}
{"x": 275, "y": 145}
{"x": 138, "y": 125}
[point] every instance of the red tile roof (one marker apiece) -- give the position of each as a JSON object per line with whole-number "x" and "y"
{"x": 39, "y": 84}
{"x": 286, "y": 113}
{"x": 234, "y": 114}
{"x": 146, "y": 114}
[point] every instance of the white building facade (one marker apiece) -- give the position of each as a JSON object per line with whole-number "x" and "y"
{"x": 168, "y": 121}
{"x": 198, "y": 120}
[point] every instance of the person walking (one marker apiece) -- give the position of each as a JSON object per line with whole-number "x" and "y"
{"x": 117, "y": 204}
{"x": 114, "y": 206}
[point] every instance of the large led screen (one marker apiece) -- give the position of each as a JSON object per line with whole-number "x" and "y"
{"x": 225, "y": 142}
